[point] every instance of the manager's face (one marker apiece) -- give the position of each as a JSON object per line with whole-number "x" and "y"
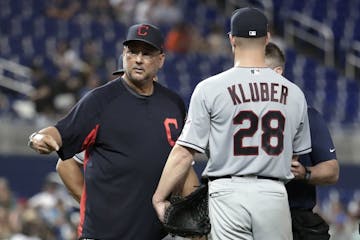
{"x": 142, "y": 61}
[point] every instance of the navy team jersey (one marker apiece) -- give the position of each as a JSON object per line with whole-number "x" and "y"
{"x": 127, "y": 138}
{"x": 302, "y": 195}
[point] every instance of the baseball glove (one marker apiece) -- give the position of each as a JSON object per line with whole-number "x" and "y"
{"x": 189, "y": 216}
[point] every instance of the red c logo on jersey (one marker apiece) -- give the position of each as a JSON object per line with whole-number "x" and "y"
{"x": 142, "y": 30}
{"x": 167, "y": 123}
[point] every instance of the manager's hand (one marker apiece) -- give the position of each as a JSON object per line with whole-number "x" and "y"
{"x": 43, "y": 143}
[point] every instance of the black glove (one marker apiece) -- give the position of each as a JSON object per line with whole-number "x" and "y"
{"x": 189, "y": 216}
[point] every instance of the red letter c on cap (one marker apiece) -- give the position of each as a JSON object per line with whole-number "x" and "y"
{"x": 142, "y": 30}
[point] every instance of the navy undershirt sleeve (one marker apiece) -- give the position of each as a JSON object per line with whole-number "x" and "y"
{"x": 323, "y": 147}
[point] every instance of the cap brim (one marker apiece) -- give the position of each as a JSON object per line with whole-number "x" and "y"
{"x": 142, "y": 40}
{"x": 118, "y": 72}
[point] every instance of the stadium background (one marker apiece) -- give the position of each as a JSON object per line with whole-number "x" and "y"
{"x": 52, "y": 52}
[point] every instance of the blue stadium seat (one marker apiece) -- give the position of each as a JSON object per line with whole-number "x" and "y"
{"x": 331, "y": 96}
{"x": 15, "y": 45}
{"x": 28, "y": 26}
{"x": 74, "y": 30}
{"x": 97, "y": 29}
{"x": 49, "y": 66}
{"x": 172, "y": 80}
{"x": 5, "y": 9}
{"x": 297, "y": 6}
{"x": 290, "y": 57}
{"x": 119, "y": 30}
{"x": 15, "y": 6}
{"x": 356, "y": 31}
{"x": 343, "y": 7}
{"x": 331, "y": 80}
{"x": 352, "y": 102}
{"x": 309, "y": 76}
{"x": 329, "y": 106}
{"x": 51, "y": 27}
{"x": 109, "y": 47}
{"x": 319, "y": 10}
{"x": 5, "y": 27}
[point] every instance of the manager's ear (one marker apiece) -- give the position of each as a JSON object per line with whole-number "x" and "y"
{"x": 268, "y": 36}
{"x": 161, "y": 60}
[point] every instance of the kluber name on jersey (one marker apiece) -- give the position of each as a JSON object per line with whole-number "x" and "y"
{"x": 262, "y": 91}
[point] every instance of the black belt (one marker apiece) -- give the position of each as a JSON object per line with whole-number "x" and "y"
{"x": 230, "y": 176}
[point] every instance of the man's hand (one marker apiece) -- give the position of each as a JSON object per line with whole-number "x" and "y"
{"x": 42, "y": 143}
{"x": 298, "y": 169}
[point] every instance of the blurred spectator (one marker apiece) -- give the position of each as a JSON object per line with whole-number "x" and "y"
{"x": 69, "y": 80}
{"x": 163, "y": 13}
{"x": 61, "y": 9}
{"x": 178, "y": 39}
{"x": 124, "y": 10}
{"x": 54, "y": 206}
{"x": 47, "y": 198}
{"x": 91, "y": 81}
{"x": 43, "y": 93}
{"x": 7, "y": 200}
{"x": 49, "y": 215}
{"x": 340, "y": 230}
{"x": 353, "y": 210}
{"x": 166, "y": 13}
{"x": 332, "y": 207}
{"x": 67, "y": 58}
{"x": 8, "y": 210}
{"x": 343, "y": 221}
{"x": 32, "y": 227}
{"x": 92, "y": 55}
{"x": 5, "y": 228}
{"x": 144, "y": 10}
{"x": 65, "y": 90}
{"x": 354, "y": 207}
{"x": 218, "y": 44}
{"x": 100, "y": 10}
{"x": 198, "y": 43}
{"x": 185, "y": 38}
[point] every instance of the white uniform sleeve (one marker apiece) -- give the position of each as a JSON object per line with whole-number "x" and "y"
{"x": 302, "y": 140}
{"x": 79, "y": 157}
{"x": 195, "y": 133}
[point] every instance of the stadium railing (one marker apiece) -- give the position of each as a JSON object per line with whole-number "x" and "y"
{"x": 311, "y": 31}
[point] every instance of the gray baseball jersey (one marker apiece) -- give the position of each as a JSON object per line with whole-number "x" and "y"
{"x": 252, "y": 119}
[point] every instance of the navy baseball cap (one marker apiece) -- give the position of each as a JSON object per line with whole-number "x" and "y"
{"x": 120, "y": 69}
{"x": 248, "y": 22}
{"x": 146, "y": 33}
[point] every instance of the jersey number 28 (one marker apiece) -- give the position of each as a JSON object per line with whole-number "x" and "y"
{"x": 268, "y": 132}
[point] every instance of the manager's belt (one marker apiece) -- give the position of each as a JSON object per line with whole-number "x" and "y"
{"x": 249, "y": 176}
